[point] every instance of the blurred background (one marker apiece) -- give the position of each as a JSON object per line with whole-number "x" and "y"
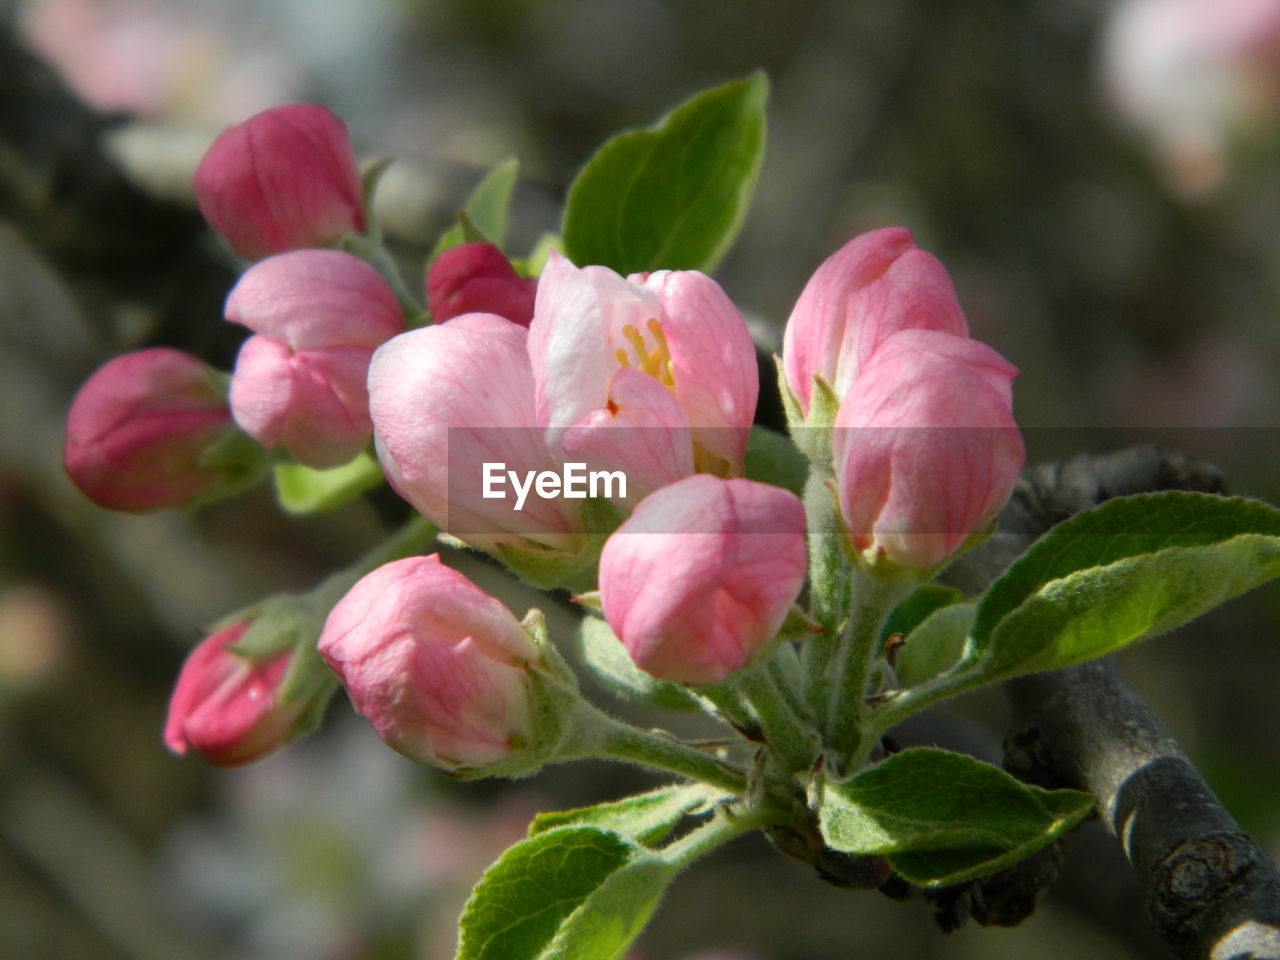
{"x": 1099, "y": 177}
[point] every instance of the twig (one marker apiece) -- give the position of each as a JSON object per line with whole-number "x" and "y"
{"x": 1211, "y": 891}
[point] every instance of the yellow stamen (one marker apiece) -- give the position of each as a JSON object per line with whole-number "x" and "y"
{"x": 656, "y": 362}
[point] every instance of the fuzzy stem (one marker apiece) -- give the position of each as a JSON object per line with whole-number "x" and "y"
{"x": 720, "y": 830}
{"x": 413, "y": 537}
{"x": 874, "y": 597}
{"x": 595, "y": 734}
{"x": 793, "y": 741}
{"x": 828, "y": 587}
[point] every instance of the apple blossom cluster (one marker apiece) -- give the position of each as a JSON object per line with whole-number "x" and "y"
{"x": 694, "y": 566}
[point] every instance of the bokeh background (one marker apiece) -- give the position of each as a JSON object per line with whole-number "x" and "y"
{"x": 1099, "y": 177}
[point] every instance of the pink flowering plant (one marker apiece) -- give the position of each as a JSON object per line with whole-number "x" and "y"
{"x": 584, "y": 415}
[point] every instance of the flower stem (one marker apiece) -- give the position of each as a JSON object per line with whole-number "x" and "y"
{"x": 848, "y": 722}
{"x": 723, "y": 827}
{"x": 791, "y": 739}
{"x": 596, "y": 734}
{"x": 410, "y": 539}
{"x": 828, "y": 587}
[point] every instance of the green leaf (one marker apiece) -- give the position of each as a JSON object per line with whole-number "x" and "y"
{"x": 773, "y": 458}
{"x": 574, "y": 888}
{"x": 942, "y": 868}
{"x": 603, "y": 653}
{"x": 615, "y": 914}
{"x": 674, "y": 195}
{"x": 935, "y": 645}
{"x": 484, "y": 216}
{"x": 930, "y": 801}
{"x": 917, "y": 607}
{"x": 646, "y": 818}
{"x": 303, "y": 490}
{"x": 1131, "y": 568}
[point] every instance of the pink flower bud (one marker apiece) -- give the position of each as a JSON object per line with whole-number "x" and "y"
{"x": 925, "y": 447}
{"x": 875, "y": 285}
{"x": 138, "y": 430}
{"x": 285, "y": 178}
{"x": 477, "y": 278}
{"x": 224, "y": 706}
{"x": 300, "y": 383}
{"x": 449, "y": 398}
{"x": 677, "y": 337}
{"x": 434, "y": 662}
{"x": 701, "y": 576}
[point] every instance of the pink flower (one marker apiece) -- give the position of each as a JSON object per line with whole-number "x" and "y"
{"x": 140, "y": 427}
{"x": 875, "y": 285}
{"x": 285, "y": 178}
{"x": 1198, "y": 78}
{"x": 435, "y": 663}
{"x": 926, "y": 449}
{"x": 300, "y": 384}
{"x": 664, "y": 355}
{"x": 225, "y": 705}
{"x": 477, "y": 278}
{"x": 701, "y": 576}
{"x": 445, "y": 400}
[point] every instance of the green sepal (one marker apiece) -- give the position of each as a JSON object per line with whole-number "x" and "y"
{"x": 531, "y": 266}
{"x": 279, "y": 621}
{"x": 553, "y": 699}
{"x": 572, "y": 570}
{"x": 646, "y": 818}
{"x": 790, "y": 403}
{"x": 797, "y": 626}
{"x": 303, "y": 490}
{"x": 772, "y": 458}
{"x": 550, "y": 569}
{"x": 602, "y": 652}
{"x": 371, "y": 172}
{"x": 484, "y": 216}
{"x": 240, "y": 459}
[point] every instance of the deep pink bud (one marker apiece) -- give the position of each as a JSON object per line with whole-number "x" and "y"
{"x": 434, "y": 662}
{"x": 225, "y": 705}
{"x": 477, "y": 278}
{"x": 139, "y": 427}
{"x": 701, "y": 576}
{"x": 875, "y": 285}
{"x": 285, "y": 178}
{"x": 925, "y": 446}
{"x": 301, "y": 383}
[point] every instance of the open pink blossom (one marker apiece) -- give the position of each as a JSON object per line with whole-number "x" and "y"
{"x": 701, "y": 576}
{"x": 301, "y": 382}
{"x": 140, "y": 427}
{"x": 875, "y": 285}
{"x": 477, "y": 278}
{"x": 435, "y": 663}
{"x": 284, "y": 179}
{"x": 445, "y": 400}
{"x": 654, "y": 375}
{"x": 225, "y": 706}
{"x": 925, "y": 447}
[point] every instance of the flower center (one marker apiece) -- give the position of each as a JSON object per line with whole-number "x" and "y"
{"x": 655, "y": 360}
